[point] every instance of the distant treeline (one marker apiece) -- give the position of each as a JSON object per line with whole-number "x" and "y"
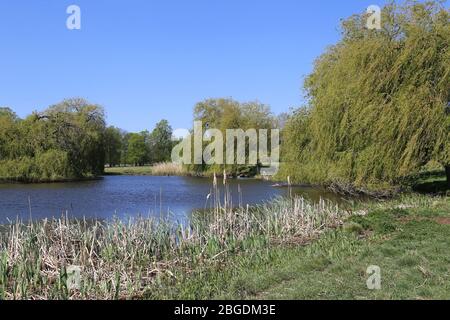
{"x": 138, "y": 149}
{"x": 70, "y": 140}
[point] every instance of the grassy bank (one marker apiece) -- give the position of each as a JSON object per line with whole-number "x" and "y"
{"x": 409, "y": 245}
{"x": 285, "y": 249}
{"x": 172, "y": 169}
{"x": 160, "y": 169}
{"x": 406, "y": 238}
{"x": 52, "y": 180}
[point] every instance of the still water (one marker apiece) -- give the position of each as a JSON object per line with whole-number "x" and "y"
{"x": 124, "y": 196}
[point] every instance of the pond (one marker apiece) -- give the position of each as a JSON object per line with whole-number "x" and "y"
{"x": 124, "y": 196}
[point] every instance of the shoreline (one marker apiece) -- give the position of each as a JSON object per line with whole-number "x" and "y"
{"x": 415, "y": 185}
{"x": 65, "y": 180}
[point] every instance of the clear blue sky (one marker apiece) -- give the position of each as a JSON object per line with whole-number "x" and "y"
{"x": 145, "y": 60}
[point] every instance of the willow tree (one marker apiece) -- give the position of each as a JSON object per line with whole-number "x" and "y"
{"x": 8, "y": 132}
{"x": 224, "y": 114}
{"x": 76, "y": 127}
{"x": 378, "y": 101}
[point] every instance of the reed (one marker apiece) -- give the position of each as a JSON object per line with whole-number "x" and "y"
{"x": 123, "y": 259}
{"x": 167, "y": 169}
{"x": 158, "y": 169}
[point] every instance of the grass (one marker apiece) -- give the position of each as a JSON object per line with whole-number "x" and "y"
{"x": 407, "y": 239}
{"x": 159, "y": 169}
{"x": 410, "y": 246}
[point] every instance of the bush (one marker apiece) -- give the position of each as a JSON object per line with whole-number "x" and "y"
{"x": 52, "y": 165}
{"x": 17, "y": 170}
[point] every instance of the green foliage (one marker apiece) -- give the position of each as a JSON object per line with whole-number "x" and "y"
{"x": 7, "y": 112}
{"x": 137, "y": 148}
{"x": 113, "y": 146}
{"x": 63, "y": 142}
{"x": 161, "y": 142}
{"x": 377, "y": 102}
{"x": 20, "y": 169}
{"x": 223, "y": 114}
{"x": 8, "y": 130}
{"x": 53, "y": 165}
{"x": 48, "y": 166}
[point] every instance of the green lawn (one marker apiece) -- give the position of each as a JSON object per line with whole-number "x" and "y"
{"x": 412, "y": 250}
{"x": 411, "y": 246}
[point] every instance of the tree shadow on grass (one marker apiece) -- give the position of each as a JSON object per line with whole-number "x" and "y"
{"x": 434, "y": 182}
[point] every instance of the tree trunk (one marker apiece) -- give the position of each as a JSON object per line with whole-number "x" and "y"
{"x": 447, "y": 173}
